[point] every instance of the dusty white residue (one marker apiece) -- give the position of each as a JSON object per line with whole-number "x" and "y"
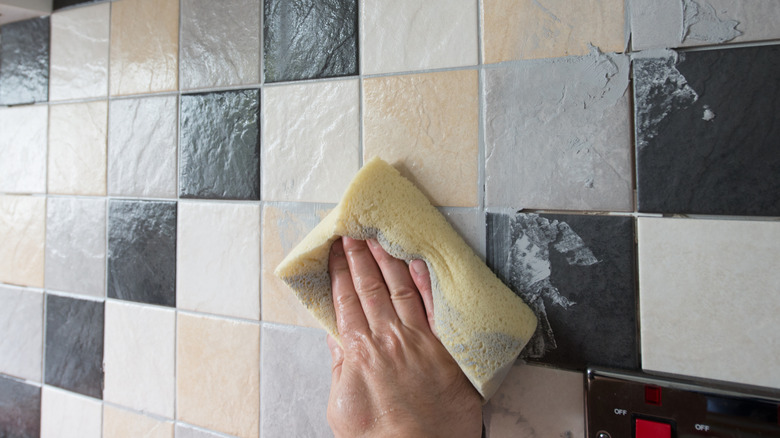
{"x": 701, "y": 23}
{"x": 708, "y": 114}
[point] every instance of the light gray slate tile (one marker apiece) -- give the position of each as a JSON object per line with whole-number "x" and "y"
{"x": 558, "y": 134}
{"x": 21, "y": 325}
{"x": 23, "y": 149}
{"x": 470, "y": 224}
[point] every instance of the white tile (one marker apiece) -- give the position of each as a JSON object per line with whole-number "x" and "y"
{"x": 67, "y": 415}
{"x": 218, "y": 261}
{"x": 406, "y": 35}
{"x": 310, "y": 140}
{"x": 535, "y": 401}
{"x": 76, "y": 245}
{"x": 142, "y": 147}
{"x": 23, "y": 149}
{"x": 79, "y": 53}
{"x": 21, "y": 323}
{"x": 139, "y": 357}
{"x": 710, "y": 298}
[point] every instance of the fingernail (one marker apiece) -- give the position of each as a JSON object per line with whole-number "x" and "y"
{"x": 419, "y": 266}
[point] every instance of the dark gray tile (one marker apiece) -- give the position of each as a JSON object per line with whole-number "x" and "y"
{"x": 142, "y": 251}
{"x": 20, "y": 409}
{"x": 578, "y": 274}
{"x": 306, "y": 39}
{"x": 707, "y": 127}
{"x": 24, "y": 62}
{"x": 220, "y": 148}
{"x": 74, "y": 345}
{"x": 60, "y": 4}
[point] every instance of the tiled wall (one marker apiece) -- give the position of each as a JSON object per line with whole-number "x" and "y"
{"x": 616, "y": 163}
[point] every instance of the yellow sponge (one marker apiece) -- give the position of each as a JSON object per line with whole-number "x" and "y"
{"x": 480, "y": 321}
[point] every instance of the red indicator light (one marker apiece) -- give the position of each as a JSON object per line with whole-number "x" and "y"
{"x": 653, "y": 395}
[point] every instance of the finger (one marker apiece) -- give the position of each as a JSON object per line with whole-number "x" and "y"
{"x": 403, "y": 292}
{"x": 369, "y": 284}
{"x": 349, "y": 313}
{"x": 422, "y": 279}
{"x": 337, "y": 358}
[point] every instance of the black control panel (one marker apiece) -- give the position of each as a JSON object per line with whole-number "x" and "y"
{"x": 634, "y": 405}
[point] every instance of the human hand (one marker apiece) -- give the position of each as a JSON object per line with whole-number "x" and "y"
{"x": 392, "y": 377}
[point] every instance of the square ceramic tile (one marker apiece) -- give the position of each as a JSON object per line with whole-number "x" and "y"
{"x": 142, "y": 136}
{"x": 530, "y": 29}
{"x": 79, "y": 53}
{"x": 710, "y": 298}
{"x": 559, "y": 133}
{"x": 144, "y": 46}
{"x": 68, "y": 415}
{"x": 142, "y": 251}
{"x": 216, "y": 367}
{"x": 295, "y": 382}
{"x": 470, "y": 225}
{"x": 24, "y": 66}
{"x": 186, "y": 431}
{"x": 408, "y": 35}
{"x": 427, "y": 126}
{"x": 311, "y": 140}
{"x": 707, "y": 143}
{"x": 536, "y": 402}
{"x": 219, "y": 250}
{"x": 23, "y": 149}
{"x": 21, "y": 322}
{"x": 119, "y": 423}
{"x": 74, "y": 345}
{"x": 283, "y": 227}
{"x": 139, "y": 357}
{"x": 220, "y": 43}
{"x": 672, "y": 23}
{"x": 22, "y": 231}
{"x": 577, "y": 273}
{"x": 220, "y": 145}
{"x": 20, "y": 409}
{"x": 307, "y": 40}
{"x": 76, "y": 245}
{"x": 77, "y": 148}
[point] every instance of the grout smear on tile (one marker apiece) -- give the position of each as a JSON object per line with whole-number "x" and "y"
{"x": 701, "y": 23}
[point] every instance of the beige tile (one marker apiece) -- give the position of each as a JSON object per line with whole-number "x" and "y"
{"x": 310, "y": 140}
{"x": 531, "y": 29}
{"x": 77, "y": 148}
{"x": 217, "y": 372}
{"x": 144, "y": 46}
{"x": 427, "y": 126}
{"x": 283, "y": 227}
{"x": 79, "y": 53}
{"x": 119, "y": 423}
{"x": 23, "y": 234}
{"x": 68, "y": 415}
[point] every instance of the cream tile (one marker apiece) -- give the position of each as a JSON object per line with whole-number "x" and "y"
{"x": 709, "y": 298}
{"x": 537, "y": 402}
{"x": 67, "y": 415}
{"x": 217, "y": 374}
{"x": 144, "y": 46}
{"x": 142, "y": 147}
{"x": 219, "y": 250}
{"x": 22, "y": 231}
{"x": 23, "y": 149}
{"x": 531, "y": 29}
{"x": 187, "y": 431}
{"x": 119, "y": 423}
{"x": 77, "y": 148}
{"x": 311, "y": 139}
{"x": 21, "y": 322}
{"x": 426, "y": 125}
{"x": 138, "y": 357}
{"x": 407, "y": 35}
{"x": 79, "y": 53}
{"x": 76, "y": 245}
{"x": 283, "y": 227}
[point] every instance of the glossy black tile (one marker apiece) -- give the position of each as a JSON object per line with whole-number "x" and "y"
{"x": 577, "y": 272}
{"x": 20, "y": 409}
{"x": 220, "y": 147}
{"x": 24, "y": 62}
{"x": 307, "y": 39}
{"x": 707, "y": 127}
{"x": 142, "y": 251}
{"x": 60, "y": 4}
{"x": 74, "y": 345}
